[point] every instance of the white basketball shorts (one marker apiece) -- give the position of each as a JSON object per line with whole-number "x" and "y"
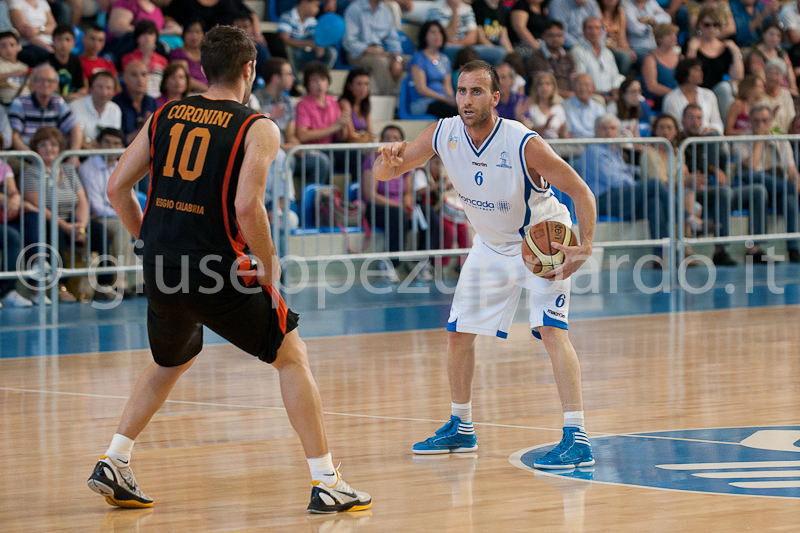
{"x": 489, "y": 289}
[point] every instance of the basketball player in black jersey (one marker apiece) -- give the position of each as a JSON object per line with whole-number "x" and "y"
{"x": 208, "y": 157}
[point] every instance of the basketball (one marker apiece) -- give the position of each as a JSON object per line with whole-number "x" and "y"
{"x": 537, "y": 253}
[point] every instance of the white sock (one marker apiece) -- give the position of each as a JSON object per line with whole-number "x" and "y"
{"x": 574, "y": 419}
{"x": 120, "y": 449}
{"x": 322, "y": 469}
{"x": 462, "y": 411}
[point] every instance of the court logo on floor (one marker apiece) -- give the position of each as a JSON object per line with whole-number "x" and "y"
{"x": 754, "y": 461}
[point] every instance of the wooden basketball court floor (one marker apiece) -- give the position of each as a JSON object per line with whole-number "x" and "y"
{"x": 221, "y": 455}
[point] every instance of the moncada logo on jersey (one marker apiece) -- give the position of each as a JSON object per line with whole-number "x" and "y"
{"x": 484, "y": 205}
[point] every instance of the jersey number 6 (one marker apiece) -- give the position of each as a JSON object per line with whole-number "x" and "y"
{"x": 479, "y": 178}
{"x": 183, "y": 166}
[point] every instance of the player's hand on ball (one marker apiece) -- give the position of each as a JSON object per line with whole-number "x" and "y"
{"x": 574, "y": 257}
{"x": 393, "y": 153}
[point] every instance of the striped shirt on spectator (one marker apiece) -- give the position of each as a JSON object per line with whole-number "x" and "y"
{"x": 297, "y": 29}
{"x": 27, "y": 115}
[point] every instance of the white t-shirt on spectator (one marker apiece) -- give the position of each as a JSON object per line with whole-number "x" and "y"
{"x": 539, "y": 119}
{"x": 90, "y": 121}
{"x": 34, "y": 16}
{"x": 675, "y": 102}
{"x": 789, "y": 17}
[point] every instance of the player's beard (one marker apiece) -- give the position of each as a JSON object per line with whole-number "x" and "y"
{"x": 479, "y": 117}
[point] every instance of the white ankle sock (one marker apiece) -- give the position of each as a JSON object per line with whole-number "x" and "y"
{"x": 574, "y": 419}
{"x": 322, "y": 469}
{"x": 120, "y": 449}
{"x": 462, "y": 411}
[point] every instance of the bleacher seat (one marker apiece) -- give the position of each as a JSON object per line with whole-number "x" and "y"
{"x": 338, "y": 79}
{"x": 402, "y": 106}
{"x": 406, "y": 43}
{"x": 382, "y": 107}
{"x": 411, "y": 128}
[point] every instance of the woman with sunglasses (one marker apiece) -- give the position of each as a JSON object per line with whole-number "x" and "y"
{"x": 718, "y": 58}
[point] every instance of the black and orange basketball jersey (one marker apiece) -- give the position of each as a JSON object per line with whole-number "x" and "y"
{"x": 196, "y": 153}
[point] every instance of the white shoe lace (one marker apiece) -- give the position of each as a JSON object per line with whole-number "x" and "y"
{"x": 342, "y": 485}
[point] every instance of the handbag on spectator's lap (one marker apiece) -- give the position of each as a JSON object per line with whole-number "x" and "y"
{"x": 330, "y": 209}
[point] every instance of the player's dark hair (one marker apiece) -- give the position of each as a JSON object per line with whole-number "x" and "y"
{"x": 9, "y": 33}
{"x": 683, "y": 68}
{"x": 63, "y": 29}
{"x": 479, "y": 65}
{"x": 224, "y": 51}
{"x": 315, "y": 68}
{"x": 110, "y": 132}
{"x": 423, "y": 34}
{"x": 144, "y": 27}
{"x": 272, "y": 67}
{"x": 102, "y": 74}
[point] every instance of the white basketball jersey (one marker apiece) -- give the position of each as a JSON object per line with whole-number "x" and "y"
{"x": 500, "y": 198}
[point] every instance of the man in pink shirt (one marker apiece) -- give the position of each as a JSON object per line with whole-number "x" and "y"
{"x": 319, "y": 119}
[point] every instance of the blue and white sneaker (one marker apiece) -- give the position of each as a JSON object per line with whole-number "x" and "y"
{"x": 453, "y": 437}
{"x": 573, "y": 451}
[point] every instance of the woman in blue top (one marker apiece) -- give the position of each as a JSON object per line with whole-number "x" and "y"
{"x": 658, "y": 67}
{"x": 432, "y": 91}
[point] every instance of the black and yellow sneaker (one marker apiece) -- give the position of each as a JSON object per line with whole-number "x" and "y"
{"x": 337, "y": 498}
{"x": 117, "y": 484}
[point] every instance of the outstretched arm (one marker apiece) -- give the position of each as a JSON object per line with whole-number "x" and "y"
{"x": 564, "y": 178}
{"x": 395, "y": 159}
{"x": 132, "y": 166}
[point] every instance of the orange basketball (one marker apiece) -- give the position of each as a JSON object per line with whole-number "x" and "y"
{"x": 537, "y": 253}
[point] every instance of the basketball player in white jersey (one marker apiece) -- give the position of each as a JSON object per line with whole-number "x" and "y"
{"x": 502, "y": 172}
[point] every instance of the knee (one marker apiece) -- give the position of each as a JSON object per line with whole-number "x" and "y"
{"x": 552, "y": 336}
{"x": 456, "y": 340}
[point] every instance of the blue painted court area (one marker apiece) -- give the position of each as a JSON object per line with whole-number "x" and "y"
{"x": 82, "y": 328}
{"x": 754, "y": 461}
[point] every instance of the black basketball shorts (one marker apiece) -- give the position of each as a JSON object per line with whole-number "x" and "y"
{"x": 255, "y": 323}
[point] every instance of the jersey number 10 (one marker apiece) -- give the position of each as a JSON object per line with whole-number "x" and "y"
{"x": 183, "y": 166}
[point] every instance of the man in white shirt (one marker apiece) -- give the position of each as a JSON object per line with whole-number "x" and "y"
{"x": 96, "y": 110}
{"x": 581, "y": 109}
{"x": 595, "y": 59}
{"x": 95, "y": 173}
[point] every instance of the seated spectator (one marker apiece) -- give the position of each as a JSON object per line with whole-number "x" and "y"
{"x": 175, "y": 85}
{"x": 771, "y": 48}
{"x": 12, "y": 207}
{"x": 777, "y": 97}
{"x": 94, "y": 39}
{"x": 546, "y": 115}
{"x": 464, "y": 56}
{"x": 491, "y": 17}
{"x": 95, "y": 173}
{"x": 430, "y": 70}
{"x": 355, "y": 106}
{"x": 461, "y": 29}
{"x": 616, "y": 39}
{"x": 642, "y": 17}
{"x": 689, "y": 75}
{"x": 519, "y": 72}
{"x": 275, "y": 101}
{"x": 528, "y": 22}
{"x": 770, "y": 164}
{"x": 126, "y": 14}
{"x": 751, "y": 91}
{"x": 790, "y": 22}
{"x": 189, "y": 56}
{"x": 146, "y": 36}
{"x": 286, "y": 195}
{"x": 618, "y": 193}
{"x": 71, "y": 84}
{"x": 319, "y": 118}
{"x": 630, "y": 108}
{"x": 553, "y": 58}
{"x": 719, "y": 7}
{"x": 371, "y": 41}
{"x": 512, "y": 104}
{"x": 14, "y": 74}
{"x": 572, "y": 14}
{"x": 750, "y": 16}
{"x": 9, "y": 297}
{"x": 42, "y": 108}
{"x": 73, "y": 206}
{"x": 244, "y": 22}
{"x": 296, "y": 29}
{"x": 133, "y": 101}
{"x": 96, "y": 111}
{"x": 211, "y": 12}
{"x": 718, "y": 58}
{"x": 658, "y": 67}
{"x": 5, "y": 129}
{"x": 593, "y": 58}
{"x": 582, "y": 111}
{"x": 34, "y": 22}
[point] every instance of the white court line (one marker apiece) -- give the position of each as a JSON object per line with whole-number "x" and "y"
{"x": 355, "y": 415}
